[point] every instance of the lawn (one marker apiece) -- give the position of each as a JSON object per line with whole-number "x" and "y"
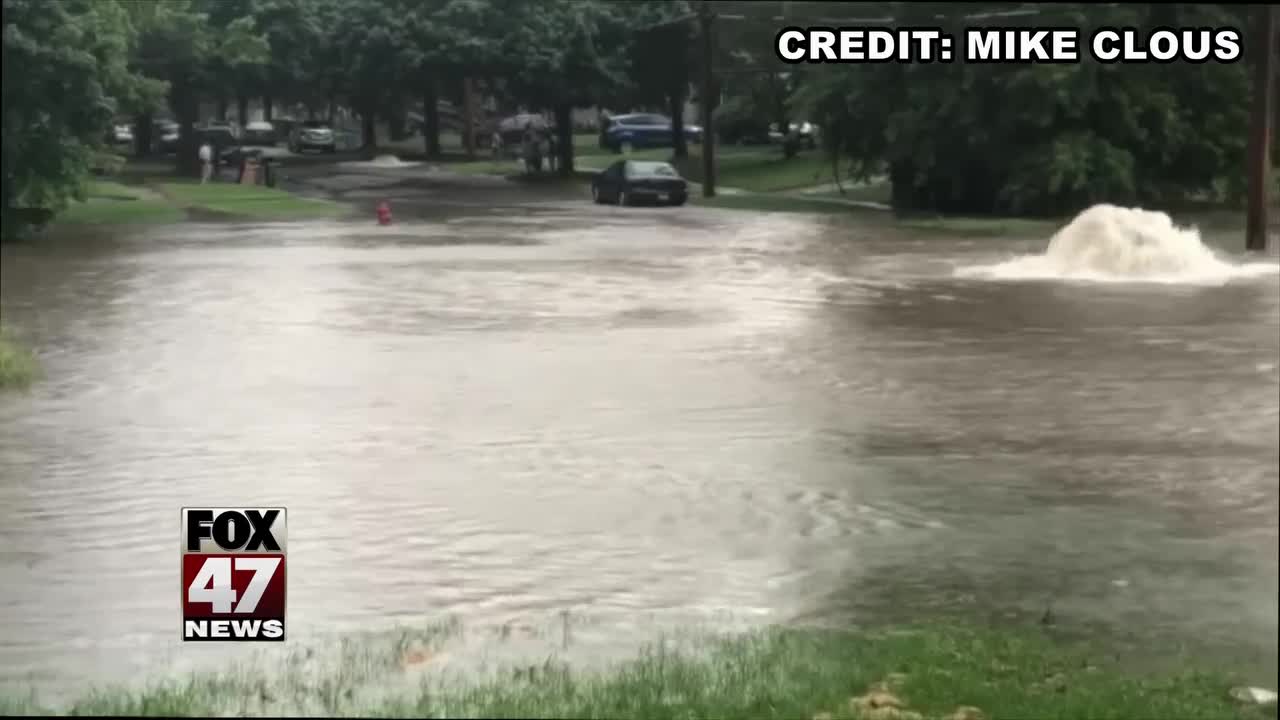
{"x": 906, "y": 674}
{"x": 111, "y": 203}
{"x": 254, "y": 201}
{"x": 17, "y": 366}
{"x": 114, "y": 203}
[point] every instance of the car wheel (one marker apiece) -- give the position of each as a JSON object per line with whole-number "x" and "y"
{"x": 679, "y": 200}
{"x": 331, "y": 149}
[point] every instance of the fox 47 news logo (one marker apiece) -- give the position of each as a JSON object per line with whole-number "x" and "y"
{"x": 233, "y": 577}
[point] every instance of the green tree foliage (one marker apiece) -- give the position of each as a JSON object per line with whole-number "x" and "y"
{"x": 373, "y": 44}
{"x": 565, "y": 54}
{"x": 449, "y": 40}
{"x": 661, "y": 59}
{"x": 1041, "y": 139}
{"x": 66, "y": 76}
{"x": 194, "y": 52}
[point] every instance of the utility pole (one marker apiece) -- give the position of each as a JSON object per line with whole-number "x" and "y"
{"x": 709, "y": 96}
{"x": 1264, "y": 89}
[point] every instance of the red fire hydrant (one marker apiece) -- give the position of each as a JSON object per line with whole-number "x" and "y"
{"x": 384, "y": 213}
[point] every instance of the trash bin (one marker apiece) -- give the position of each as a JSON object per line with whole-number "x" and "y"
{"x": 249, "y": 172}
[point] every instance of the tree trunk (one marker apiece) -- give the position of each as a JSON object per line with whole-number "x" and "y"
{"x": 564, "y": 139}
{"x": 369, "y": 129}
{"x": 679, "y": 147}
{"x": 187, "y": 107}
{"x": 708, "y": 97}
{"x": 222, "y": 109}
{"x": 267, "y": 107}
{"x": 1260, "y": 138}
{"x": 143, "y": 125}
{"x": 242, "y": 109}
{"x": 902, "y": 182}
{"x": 779, "y": 103}
{"x": 396, "y": 126}
{"x": 468, "y": 118}
{"x": 431, "y": 118}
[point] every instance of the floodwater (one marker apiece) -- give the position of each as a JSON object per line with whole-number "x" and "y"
{"x": 631, "y": 414}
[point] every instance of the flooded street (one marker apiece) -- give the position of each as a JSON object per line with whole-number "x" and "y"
{"x": 631, "y": 414}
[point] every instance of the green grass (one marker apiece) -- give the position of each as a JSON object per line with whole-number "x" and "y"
{"x": 111, "y": 203}
{"x": 18, "y": 367}
{"x": 248, "y": 200}
{"x": 930, "y": 671}
{"x": 765, "y": 202}
{"x": 878, "y": 190}
{"x": 762, "y": 169}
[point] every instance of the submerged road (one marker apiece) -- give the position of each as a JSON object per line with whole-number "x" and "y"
{"x": 629, "y": 413}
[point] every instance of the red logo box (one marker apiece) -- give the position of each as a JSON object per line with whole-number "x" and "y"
{"x": 233, "y": 574}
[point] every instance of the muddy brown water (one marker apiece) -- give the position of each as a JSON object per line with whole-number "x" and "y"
{"x": 688, "y": 416}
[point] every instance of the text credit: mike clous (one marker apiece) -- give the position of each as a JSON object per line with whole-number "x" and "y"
{"x": 1007, "y": 45}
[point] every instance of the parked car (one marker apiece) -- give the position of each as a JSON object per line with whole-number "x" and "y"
{"x": 220, "y": 134}
{"x": 223, "y": 138}
{"x": 806, "y": 132}
{"x": 259, "y": 133}
{"x": 167, "y": 134}
{"x": 449, "y": 119}
{"x": 622, "y": 133}
{"x": 312, "y": 135}
{"x": 628, "y": 181}
{"x": 120, "y": 135}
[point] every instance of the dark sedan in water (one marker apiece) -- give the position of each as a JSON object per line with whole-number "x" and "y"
{"x": 627, "y": 182}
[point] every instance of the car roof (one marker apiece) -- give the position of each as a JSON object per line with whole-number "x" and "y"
{"x": 637, "y": 116}
{"x": 650, "y": 166}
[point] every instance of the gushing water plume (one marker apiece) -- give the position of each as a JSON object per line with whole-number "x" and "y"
{"x": 1117, "y": 244}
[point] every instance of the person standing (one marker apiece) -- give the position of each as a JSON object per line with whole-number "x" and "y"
{"x": 206, "y": 162}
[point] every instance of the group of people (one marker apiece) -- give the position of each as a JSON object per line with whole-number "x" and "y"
{"x": 536, "y": 145}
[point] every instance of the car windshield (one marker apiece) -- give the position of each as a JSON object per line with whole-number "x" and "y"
{"x": 650, "y": 169}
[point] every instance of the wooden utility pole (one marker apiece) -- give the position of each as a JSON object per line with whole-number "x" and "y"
{"x": 1264, "y": 89}
{"x": 708, "y": 97}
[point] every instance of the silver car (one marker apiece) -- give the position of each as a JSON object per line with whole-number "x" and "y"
{"x": 312, "y": 135}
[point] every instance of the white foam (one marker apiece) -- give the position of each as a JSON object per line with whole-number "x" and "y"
{"x": 1106, "y": 243}
{"x": 381, "y": 161}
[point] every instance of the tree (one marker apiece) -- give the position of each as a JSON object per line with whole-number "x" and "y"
{"x": 1040, "y": 139}
{"x": 371, "y": 43}
{"x": 181, "y": 46}
{"x": 66, "y": 75}
{"x": 660, "y": 61}
{"x": 450, "y": 40}
{"x": 570, "y": 52}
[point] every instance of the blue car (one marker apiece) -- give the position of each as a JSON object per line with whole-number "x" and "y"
{"x": 623, "y": 133}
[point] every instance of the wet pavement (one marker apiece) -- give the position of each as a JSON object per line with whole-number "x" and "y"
{"x": 628, "y": 413}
